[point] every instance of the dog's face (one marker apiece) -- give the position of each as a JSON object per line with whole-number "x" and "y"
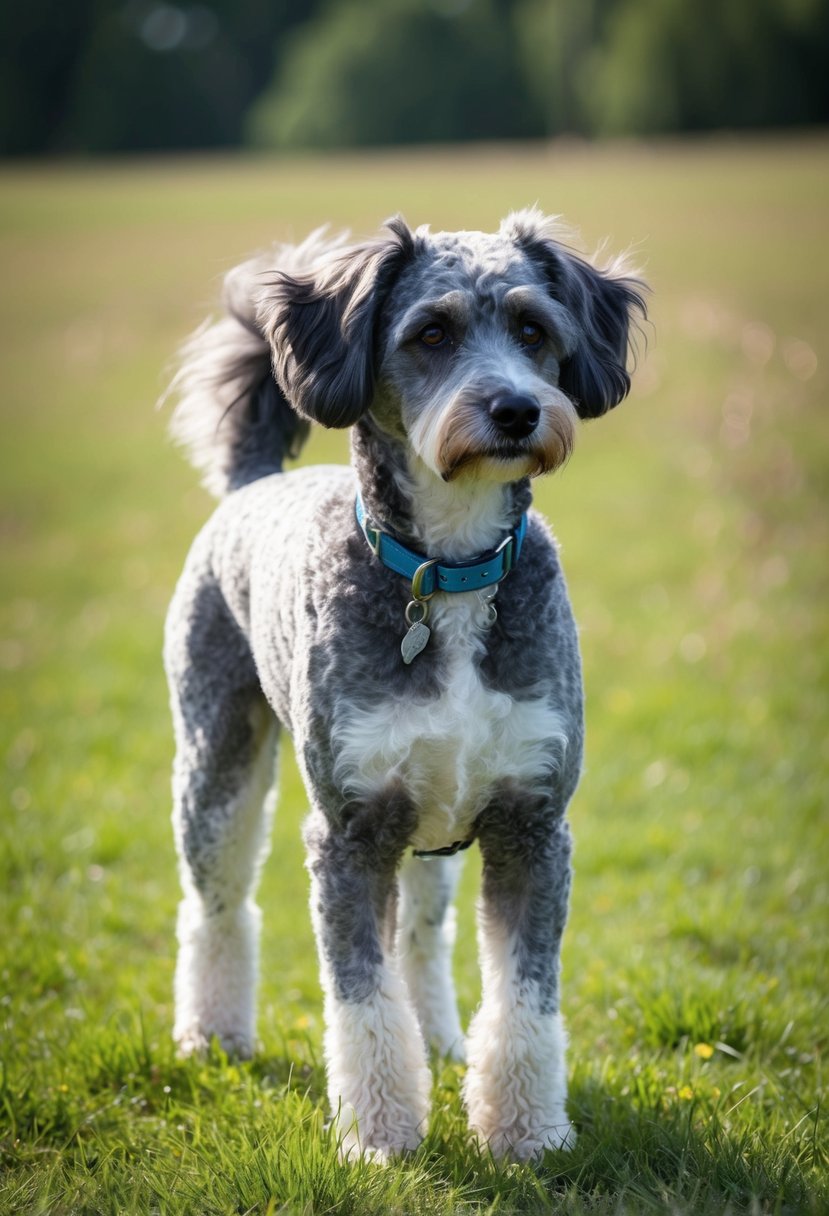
{"x": 472, "y": 347}
{"x": 479, "y": 350}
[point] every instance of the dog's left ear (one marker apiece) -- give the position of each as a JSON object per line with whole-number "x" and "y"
{"x": 603, "y": 304}
{"x": 322, "y": 326}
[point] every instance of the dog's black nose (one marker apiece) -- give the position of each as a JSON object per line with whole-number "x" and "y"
{"x": 514, "y": 415}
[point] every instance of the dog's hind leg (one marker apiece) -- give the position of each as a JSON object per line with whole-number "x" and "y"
{"x": 516, "y": 1086}
{"x": 223, "y": 772}
{"x": 425, "y": 937}
{"x": 378, "y": 1079}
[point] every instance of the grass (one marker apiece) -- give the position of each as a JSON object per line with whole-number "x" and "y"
{"x": 695, "y": 530}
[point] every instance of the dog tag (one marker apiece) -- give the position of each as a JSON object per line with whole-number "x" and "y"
{"x": 414, "y": 641}
{"x": 489, "y": 613}
{"x": 418, "y": 633}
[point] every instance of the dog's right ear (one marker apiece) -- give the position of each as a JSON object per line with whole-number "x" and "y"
{"x": 602, "y": 305}
{"x": 322, "y": 327}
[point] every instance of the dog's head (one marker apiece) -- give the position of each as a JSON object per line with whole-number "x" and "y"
{"x": 479, "y": 350}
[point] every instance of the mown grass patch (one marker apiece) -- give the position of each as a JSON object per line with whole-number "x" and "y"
{"x": 694, "y": 528}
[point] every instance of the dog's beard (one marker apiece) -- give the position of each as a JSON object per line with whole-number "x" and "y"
{"x": 466, "y": 442}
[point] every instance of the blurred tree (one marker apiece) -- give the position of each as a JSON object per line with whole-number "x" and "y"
{"x": 157, "y": 76}
{"x": 666, "y": 65}
{"x": 119, "y": 75}
{"x": 95, "y": 76}
{"x": 41, "y": 42}
{"x": 557, "y": 40}
{"x": 405, "y": 71}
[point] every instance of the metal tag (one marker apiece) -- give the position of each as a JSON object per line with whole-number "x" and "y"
{"x": 489, "y": 613}
{"x": 414, "y": 641}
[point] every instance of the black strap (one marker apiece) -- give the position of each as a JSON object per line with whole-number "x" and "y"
{"x": 448, "y": 850}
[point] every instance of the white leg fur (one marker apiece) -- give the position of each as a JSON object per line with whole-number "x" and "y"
{"x": 216, "y": 978}
{"x": 516, "y": 1086}
{"x": 425, "y": 938}
{"x": 378, "y": 1080}
{"x": 218, "y": 927}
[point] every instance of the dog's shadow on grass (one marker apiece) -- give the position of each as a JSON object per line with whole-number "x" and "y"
{"x": 629, "y": 1146}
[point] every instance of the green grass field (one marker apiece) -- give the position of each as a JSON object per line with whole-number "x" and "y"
{"x": 695, "y": 533}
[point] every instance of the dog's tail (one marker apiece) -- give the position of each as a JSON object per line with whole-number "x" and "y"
{"x": 231, "y": 417}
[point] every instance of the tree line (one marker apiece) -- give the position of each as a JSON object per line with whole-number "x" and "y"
{"x": 95, "y": 76}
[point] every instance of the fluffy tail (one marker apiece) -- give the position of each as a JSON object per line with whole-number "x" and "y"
{"x": 231, "y": 417}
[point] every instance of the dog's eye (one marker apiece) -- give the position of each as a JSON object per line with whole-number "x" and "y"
{"x": 433, "y": 335}
{"x": 530, "y": 335}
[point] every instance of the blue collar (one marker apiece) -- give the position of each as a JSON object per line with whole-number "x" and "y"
{"x": 429, "y": 575}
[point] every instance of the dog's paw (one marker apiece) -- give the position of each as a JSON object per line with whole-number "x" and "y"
{"x": 351, "y": 1153}
{"x": 377, "y": 1146}
{"x": 191, "y": 1042}
{"x": 561, "y": 1138}
{"x": 194, "y": 1040}
{"x": 516, "y": 1144}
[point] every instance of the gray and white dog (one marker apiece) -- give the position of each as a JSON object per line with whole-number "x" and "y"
{"x": 356, "y": 607}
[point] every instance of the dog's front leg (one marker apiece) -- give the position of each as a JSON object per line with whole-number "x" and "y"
{"x": 516, "y": 1086}
{"x": 378, "y": 1079}
{"x": 425, "y": 937}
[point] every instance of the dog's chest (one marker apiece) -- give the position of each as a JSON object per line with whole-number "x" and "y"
{"x": 450, "y": 751}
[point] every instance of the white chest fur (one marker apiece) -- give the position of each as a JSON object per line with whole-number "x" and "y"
{"x": 449, "y": 751}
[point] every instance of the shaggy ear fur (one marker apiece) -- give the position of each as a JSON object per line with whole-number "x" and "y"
{"x": 602, "y": 303}
{"x": 322, "y": 327}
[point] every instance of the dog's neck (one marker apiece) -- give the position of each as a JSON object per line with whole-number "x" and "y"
{"x": 455, "y": 519}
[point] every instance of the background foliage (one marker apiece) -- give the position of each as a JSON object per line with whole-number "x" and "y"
{"x": 115, "y": 75}
{"x": 694, "y": 528}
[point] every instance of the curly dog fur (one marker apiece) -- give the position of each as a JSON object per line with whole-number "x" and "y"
{"x": 463, "y": 363}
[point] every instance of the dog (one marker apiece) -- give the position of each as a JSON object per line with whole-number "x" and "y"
{"x": 406, "y": 619}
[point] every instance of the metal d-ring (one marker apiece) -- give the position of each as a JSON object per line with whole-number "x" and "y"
{"x": 417, "y": 580}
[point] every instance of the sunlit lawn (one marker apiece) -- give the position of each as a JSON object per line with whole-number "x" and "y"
{"x": 695, "y": 535}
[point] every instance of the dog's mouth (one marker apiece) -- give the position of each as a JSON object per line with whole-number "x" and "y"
{"x": 502, "y": 461}
{"x": 512, "y": 449}
{"x": 545, "y": 450}
{"x": 497, "y": 456}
